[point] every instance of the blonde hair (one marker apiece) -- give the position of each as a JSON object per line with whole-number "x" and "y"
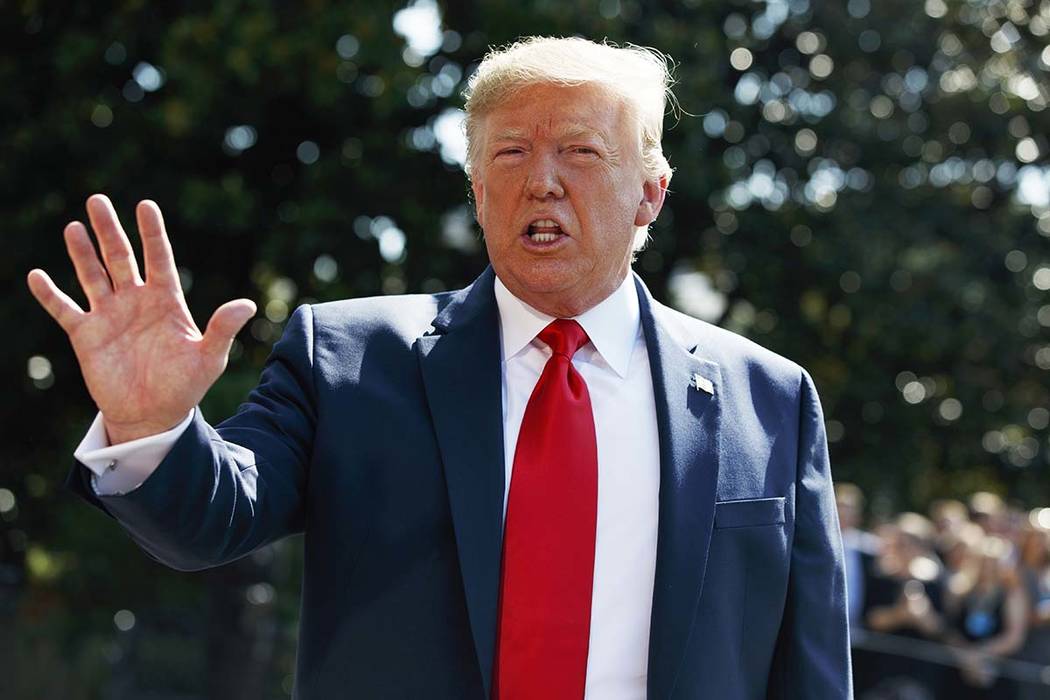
{"x": 640, "y": 76}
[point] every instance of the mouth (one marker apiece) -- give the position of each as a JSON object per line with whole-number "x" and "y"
{"x": 544, "y": 232}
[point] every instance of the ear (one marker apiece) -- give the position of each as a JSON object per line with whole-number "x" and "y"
{"x": 479, "y": 198}
{"x": 653, "y": 193}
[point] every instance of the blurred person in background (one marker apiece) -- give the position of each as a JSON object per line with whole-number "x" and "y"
{"x": 906, "y": 589}
{"x": 1034, "y": 569}
{"x": 989, "y": 511}
{"x": 860, "y": 548}
{"x": 904, "y": 599}
{"x": 958, "y": 550}
{"x": 947, "y": 515}
{"x": 985, "y": 620}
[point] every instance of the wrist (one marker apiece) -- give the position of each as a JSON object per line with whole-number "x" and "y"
{"x": 118, "y": 433}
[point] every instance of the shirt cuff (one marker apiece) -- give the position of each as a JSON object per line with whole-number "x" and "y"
{"x": 118, "y": 469}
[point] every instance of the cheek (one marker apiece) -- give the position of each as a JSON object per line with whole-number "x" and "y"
{"x": 622, "y": 195}
{"x": 496, "y": 197}
{"x": 619, "y": 208}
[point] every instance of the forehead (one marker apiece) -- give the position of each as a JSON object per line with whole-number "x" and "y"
{"x": 543, "y": 109}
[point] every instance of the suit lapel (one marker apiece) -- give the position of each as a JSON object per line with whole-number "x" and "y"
{"x": 687, "y": 389}
{"x": 460, "y": 362}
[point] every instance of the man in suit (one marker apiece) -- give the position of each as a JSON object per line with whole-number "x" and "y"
{"x": 860, "y": 549}
{"x": 545, "y": 485}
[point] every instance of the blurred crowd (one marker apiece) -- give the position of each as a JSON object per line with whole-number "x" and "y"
{"x": 953, "y": 603}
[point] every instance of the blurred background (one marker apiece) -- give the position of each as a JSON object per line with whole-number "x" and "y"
{"x": 861, "y": 186}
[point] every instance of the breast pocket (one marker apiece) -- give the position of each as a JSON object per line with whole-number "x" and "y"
{"x": 751, "y": 512}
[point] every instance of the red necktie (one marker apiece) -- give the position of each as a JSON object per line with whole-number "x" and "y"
{"x": 548, "y": 540}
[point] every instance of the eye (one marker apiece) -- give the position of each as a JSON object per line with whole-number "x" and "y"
{"x": 510, "y": 151}
{"x": 583, "y": 150}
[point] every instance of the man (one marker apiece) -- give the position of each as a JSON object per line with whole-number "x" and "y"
{"x": 860, "y": 553}
{"x": 860, "y": 548}
{"x": 545, "y": 485}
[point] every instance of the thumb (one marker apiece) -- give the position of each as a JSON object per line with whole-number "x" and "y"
{"x": 224, "y": 325}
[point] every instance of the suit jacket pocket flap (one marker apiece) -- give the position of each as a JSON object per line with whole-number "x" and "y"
{"x": 750, "y": 512}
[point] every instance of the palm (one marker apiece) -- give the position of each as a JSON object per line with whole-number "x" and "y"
{"x": 145, "y": 362}
{"x": 139, "y": 352}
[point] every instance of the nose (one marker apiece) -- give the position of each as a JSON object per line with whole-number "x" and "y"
{"x": 544, "y": 180}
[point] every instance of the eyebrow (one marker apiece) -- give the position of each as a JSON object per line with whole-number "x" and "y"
{"x": 571, "y": 130}
{"x": 575, "y": 130}
{"x": 510, "y": 135}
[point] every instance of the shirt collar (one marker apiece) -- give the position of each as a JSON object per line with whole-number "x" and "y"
{"x": 612, "y": 325}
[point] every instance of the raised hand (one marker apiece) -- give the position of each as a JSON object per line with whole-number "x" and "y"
{"x": 145, "y": 362}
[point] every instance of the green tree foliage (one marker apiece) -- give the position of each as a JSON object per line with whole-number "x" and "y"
{"x": 860, "y": 186}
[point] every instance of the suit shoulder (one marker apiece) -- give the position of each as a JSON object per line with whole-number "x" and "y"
{"x": 733, "y": 352}
{"x": 404, "y": 315}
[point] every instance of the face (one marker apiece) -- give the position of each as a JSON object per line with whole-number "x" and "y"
{"x": 849, "y": 513}
{"x": 560, "y": 188}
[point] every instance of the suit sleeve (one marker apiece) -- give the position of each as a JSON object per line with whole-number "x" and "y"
{"x": 812, "y": 658}
{"x": 222, "y": 492}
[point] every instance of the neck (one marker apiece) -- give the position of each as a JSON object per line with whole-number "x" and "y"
{"x": 562, "y": 305}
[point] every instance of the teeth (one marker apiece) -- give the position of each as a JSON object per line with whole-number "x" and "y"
{"x": 544, "y": 230}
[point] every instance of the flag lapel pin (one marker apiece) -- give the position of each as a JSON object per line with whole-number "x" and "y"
{"x": 703, "y": 384}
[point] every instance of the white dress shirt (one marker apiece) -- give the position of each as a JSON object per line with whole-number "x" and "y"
{"x": 615, "y": 365}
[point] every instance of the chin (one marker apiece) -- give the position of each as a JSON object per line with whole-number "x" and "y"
{"x": 548, "y": 279}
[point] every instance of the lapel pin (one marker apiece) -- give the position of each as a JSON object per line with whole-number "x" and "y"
{"x": 703, "y": 384}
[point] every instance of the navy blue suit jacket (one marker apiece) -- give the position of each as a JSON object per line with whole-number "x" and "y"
{"x": 377, "y": 430}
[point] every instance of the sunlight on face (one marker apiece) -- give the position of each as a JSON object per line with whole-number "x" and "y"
{"x": 560, "y": 189}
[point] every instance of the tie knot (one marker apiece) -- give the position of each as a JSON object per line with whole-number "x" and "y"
{"x": 564, "y": 336}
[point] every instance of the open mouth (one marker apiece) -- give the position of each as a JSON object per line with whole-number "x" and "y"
{"x": 544, "y": 231}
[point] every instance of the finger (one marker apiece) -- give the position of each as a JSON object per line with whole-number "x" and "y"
{"x": 116, "y": 248}
{"x": 156, "y": 248}
{"x": 61, "y": 308}
{"x": 90, "y": 273}
{"x": 224, "y": 325}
